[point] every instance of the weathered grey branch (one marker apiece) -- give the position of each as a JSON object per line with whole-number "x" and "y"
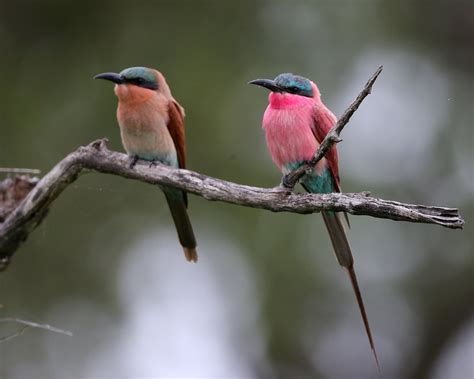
{"x": 16, "y": 170}
{"x": 333, "y": 136}
{"x": 29, "y": 324}
{"x": 97, "y": 157}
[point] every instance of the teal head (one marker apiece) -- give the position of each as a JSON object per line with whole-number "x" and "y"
{"x": 287, "y": 83}
{"x": 139, "y": 76}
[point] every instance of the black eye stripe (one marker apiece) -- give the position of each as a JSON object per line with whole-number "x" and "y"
{"x": 141, "y": 82}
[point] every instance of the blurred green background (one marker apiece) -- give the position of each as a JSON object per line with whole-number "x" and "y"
{"x": 267, "y": 299}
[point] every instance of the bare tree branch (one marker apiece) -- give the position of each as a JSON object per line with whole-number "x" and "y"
{"x": 97, "y": 157}
{"x": 16, "y": 170}
{"x": 29, "y": 324}
{"x": 16, "y": 334}
{"x": 333, "y": 136}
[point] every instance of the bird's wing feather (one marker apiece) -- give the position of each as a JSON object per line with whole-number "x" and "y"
{"x": 323, "y": 121}
{"x": 176, "y": 129}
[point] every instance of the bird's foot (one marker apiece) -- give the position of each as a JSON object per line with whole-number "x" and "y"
{"x": 154, "y": 163}
{"x": 288, "y": 182}
{"x": 282, "y": 189}
{"x": 133, "y": 161}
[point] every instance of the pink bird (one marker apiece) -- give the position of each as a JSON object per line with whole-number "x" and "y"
{"x": 295, "y": 123}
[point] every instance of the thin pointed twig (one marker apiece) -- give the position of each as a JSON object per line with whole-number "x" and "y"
{"x": 290, "y": 180}
{"x": 17, "y": 334}
{"x": 30, "y": 171}
{"x": 30, "y": 324}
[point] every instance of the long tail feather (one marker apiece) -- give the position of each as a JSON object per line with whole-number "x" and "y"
{"x": 335, "y": 226}
{"x": 355, "y": 286}
{"x": 177, "y": 205}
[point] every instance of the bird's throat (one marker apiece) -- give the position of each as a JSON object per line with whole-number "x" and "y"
{"x": 129, "y": 93}
{"x": 288, "y": 101}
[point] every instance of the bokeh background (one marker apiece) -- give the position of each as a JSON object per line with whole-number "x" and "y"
{"x": 267, "y": 299}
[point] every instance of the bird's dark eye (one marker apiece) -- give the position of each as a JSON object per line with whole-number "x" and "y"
{"x": 294, "y": 89}
{"x": 136, "y": 81}
{"x": 142, "y": 82}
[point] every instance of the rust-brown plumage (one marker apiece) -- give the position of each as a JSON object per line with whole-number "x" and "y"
{"x": 152, "y": 128}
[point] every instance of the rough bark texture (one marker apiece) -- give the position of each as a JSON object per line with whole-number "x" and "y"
{"x": 29, "y": 213}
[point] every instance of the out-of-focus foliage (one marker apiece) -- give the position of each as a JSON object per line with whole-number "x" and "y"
{"x": 267, "y": 299}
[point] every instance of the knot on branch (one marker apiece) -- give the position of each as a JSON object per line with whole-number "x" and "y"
{"x": 100, "y": 144}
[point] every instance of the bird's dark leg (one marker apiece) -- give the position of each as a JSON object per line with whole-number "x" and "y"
{"x": 153, "y": 163}
{"x": 288, "y": 181}
{"x": 133, "y": 161}
{"x": 291, "y": 179}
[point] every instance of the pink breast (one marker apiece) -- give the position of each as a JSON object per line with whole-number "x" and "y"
{"x": 287, "y": 123}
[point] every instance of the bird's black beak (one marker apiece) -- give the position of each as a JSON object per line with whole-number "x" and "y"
{"x": 268, "y": 84}
{"x": 112, "y": 76}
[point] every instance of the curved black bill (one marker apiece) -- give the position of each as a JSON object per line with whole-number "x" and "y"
{"x": 267, "y": 83}
{"x": 112, "y": 76}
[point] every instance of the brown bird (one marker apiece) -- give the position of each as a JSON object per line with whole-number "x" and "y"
{"x": 152, "y": 128}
